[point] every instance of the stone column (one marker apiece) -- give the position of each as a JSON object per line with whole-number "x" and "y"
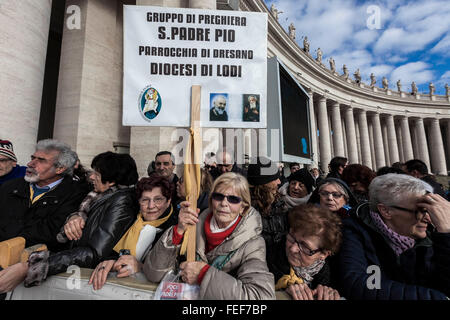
{"x": 437, "y": 149}
{"x": 344, "y": 134}
{"x": 385, "y": 141}
{"x": 358, "y": 141}
{"x": 372, "y": 144}
{"x": 89, "y": 99}
{"x": 406, "y": 138}
{"x": 338, "y": 139}
{"x": 422, "y": 142}
{"x": 398, "y": 132}
{"x": 324, "y": 134}
{"x": 24, "y": 35}
{"x": 365, "y": 141}
{"x": 392, "y": 139}
{"x": 378, "y": 142}
{"x": 448, "y": 142}
{"x": 351, "y": 136}
{"x": 203, "y": 4}
{"x": 314, "y": 144}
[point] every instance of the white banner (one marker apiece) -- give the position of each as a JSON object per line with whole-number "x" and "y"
{"x": 167, "y": 50}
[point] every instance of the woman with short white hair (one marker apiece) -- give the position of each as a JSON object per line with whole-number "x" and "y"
{"x": 392, "y": 233}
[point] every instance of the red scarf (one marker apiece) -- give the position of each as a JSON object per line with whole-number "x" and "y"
{"x": 214, "y": 239}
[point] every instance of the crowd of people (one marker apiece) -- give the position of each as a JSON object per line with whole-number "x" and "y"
{"x": 352, "y": 234}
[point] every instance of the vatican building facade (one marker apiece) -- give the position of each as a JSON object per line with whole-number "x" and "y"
{"x": 62, "y": 79}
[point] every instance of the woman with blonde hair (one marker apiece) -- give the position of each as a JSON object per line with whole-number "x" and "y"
{"x": 231, "y": 258}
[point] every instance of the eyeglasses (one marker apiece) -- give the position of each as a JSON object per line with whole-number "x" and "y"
{"x": 326, "y": 194}
{"x": 420, "y": 212}
{"x": 224, "y": 165}
{"x": 302, "y": 246}
{"x": 157, "y": 201}
{"x": 231, "y": 199}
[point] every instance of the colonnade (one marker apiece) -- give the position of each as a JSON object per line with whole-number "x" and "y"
{"x": 376, "y": 138}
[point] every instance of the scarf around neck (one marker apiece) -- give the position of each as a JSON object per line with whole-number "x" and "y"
{"x": 290, "y": 202}
{"x": 130, "y": 239}
{"x": 308, "y": 273}
{"x": 213, "y": 239}
{"x": 397, "y": 242}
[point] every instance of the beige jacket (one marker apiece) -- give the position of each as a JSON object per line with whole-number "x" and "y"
{"x": 244, "y": 277}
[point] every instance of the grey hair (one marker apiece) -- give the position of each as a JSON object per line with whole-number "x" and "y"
{"x": 66, "y": 157}
{"x": 338, "y": 186}
{"x": 392, "y": 188}
{"x": 221, "y": 97}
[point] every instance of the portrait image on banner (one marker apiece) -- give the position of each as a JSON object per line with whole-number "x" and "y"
{"x": 218, "y": 104}
{"x": 251, "y": 110}
{"x": 168, "y": 50}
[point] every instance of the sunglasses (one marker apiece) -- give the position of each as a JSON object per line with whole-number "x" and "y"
{"x": 231, "y": 199}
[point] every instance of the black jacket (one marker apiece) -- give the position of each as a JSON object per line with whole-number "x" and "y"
{"x": 41, "y": 221}
{"x": 437, "y": 187}
{"x": 420, "y": 273}
{"x": 279, "y": 265}
{"x": 108, "y": 219}
{"x": 275, "y": 226}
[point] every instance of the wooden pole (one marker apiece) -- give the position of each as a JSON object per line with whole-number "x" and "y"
{"x": 193, "y": 160}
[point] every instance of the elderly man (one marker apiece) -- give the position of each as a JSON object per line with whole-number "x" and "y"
{"x": 165, "y": 166}
{"x": 225, "y": 164}
{"x": 8, "y": 163}
{"x": 218, "y": 112}
{"x": 36, "y": 207}
{"x": 251, "y": 109}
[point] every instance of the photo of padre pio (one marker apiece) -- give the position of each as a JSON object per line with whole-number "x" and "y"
{"x": 218, "y": 103}
{"x": 251, "y": 107}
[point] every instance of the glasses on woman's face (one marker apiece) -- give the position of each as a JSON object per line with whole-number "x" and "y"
{"x": 302, "y": 246}
{"x": 156, "y": 200}
{"x": 326, "y": 194}
{"x": 419, "y": 212}
{"x": 231, "y": 199}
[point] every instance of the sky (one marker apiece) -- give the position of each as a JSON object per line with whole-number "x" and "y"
{"x": 396, "y": 39}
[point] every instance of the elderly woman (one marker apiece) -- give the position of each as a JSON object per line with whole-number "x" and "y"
{"x": 103, "y": 217}
{"x": 387, "y": 252}
{"x": 156, "y": 215}
{"x": 231, "y": 258}
{"x": 358, "y": 177}
{"x": 300, "y": 263}
{"x": 298, "y": 190}
{"x": 335, "y": 195}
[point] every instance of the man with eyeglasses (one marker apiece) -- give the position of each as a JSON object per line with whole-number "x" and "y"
{"x": 8, "y": 163}
{"x": 225, "y": 164}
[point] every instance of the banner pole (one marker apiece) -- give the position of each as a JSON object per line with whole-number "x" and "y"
{"x": 193, "y": 160}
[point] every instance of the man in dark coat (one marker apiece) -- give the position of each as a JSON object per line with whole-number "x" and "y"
{"x": 419, "y": 169}
{"x": 36, "y": 207}
{"x": 225, "y": 164}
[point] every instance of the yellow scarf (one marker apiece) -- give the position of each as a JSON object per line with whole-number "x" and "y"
{"x": 287, "y": 280}
{"x": 131, "y": 237}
